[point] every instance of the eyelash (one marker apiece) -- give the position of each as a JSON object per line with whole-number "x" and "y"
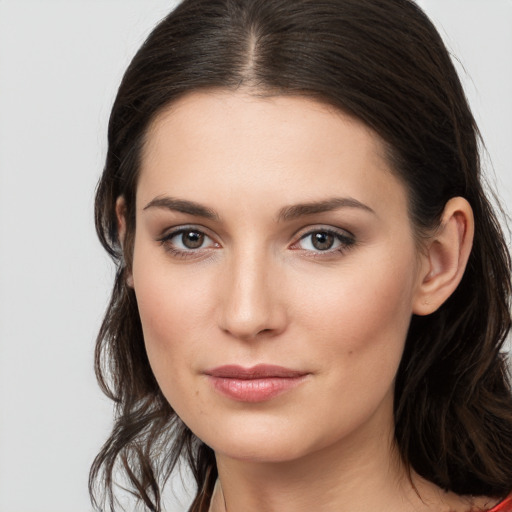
{"x": 345, "y": 242}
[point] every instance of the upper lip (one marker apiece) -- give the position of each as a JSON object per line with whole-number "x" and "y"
{"x": 259, "y": 371}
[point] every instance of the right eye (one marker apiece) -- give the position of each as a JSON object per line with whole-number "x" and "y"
{"x": 187, "y": 240}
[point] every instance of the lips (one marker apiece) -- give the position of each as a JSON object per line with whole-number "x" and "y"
{"x": 260, "y": 371}
{"x": 255, "y": 384}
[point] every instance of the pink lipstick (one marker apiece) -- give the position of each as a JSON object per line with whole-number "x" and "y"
{"x": 256, "y": 384}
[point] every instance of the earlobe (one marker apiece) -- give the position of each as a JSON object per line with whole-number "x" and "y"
{"x": 121, "y": 230}
{"x": 446, "y": 257}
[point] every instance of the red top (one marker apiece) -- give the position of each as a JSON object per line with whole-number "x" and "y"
{"x": 503, "y": 506}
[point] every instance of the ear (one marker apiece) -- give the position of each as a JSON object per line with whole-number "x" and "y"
{"x": 121, "y": 231}
{"x": 445, "y": 257}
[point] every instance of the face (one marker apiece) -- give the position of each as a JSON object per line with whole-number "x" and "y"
{"x": 275, "y": 271}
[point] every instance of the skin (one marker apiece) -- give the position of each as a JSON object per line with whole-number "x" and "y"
{"x": 257, "y": 290}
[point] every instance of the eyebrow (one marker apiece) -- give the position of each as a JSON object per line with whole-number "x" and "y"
{"x": 182, "y": 206}
{"x": 335, "y": 203}
{"x": 285, "y": 214}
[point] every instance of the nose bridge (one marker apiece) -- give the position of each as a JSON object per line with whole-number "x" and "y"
{"x": 251, "y": 302}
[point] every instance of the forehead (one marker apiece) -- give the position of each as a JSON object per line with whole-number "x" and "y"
{"x": 287, "y": 147}
{"x": 250, "y": 113}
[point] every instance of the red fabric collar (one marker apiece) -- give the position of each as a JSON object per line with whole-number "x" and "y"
{"x": 503, "y": 506}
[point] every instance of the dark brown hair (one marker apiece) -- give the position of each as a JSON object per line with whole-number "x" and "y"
{"x": 383, "y": 62}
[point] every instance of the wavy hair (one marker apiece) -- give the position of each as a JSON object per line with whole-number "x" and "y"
{"x": 382, "y": 62}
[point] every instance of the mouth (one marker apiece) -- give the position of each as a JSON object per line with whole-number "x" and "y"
{"x": 255, "y": 384}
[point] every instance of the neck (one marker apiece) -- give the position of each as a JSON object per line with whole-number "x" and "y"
{"x": 363, "y": 472}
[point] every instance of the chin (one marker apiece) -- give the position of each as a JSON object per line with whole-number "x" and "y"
{"x": 264, "y": 439}
{"x": 278, "y": 450}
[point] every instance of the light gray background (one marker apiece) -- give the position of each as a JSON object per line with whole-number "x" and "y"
{"x": 60, "y": 64}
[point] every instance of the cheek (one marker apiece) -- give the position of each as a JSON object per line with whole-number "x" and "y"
{"x": 360, "y": 299}
{"x": 171, "y": 311}
{"x": 360, "y": 321}
{"x": 357, "y": 327}
{"x": 175, "y": 307}
{"x": 168, "y": 323}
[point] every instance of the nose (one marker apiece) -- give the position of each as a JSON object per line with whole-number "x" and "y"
{"x": 252, "y": 298}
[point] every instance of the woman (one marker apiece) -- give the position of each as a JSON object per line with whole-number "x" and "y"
{"x": 312, "y": 288}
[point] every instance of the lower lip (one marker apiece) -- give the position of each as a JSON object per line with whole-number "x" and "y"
{"x": 255, "y": 390}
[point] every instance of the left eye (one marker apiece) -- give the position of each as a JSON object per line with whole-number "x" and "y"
{"x": 323, "y": 241}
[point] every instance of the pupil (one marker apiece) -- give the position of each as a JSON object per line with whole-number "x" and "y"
{"x": 322, "y": 241}
{"x": 192, "y": 239}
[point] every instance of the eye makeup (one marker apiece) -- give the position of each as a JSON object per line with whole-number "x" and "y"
{"x": 193, "y": 242}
